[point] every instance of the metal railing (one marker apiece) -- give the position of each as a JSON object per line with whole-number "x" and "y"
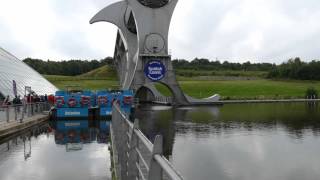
{"x": 135, "y": 157}
{"x": 12, "y": 113}
{"x": 163, "y": 99}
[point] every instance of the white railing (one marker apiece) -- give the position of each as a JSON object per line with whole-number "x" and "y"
{"x": 134, "y": 156}
{"x": 20, "y": 112}
{"x": 163, "y": 99}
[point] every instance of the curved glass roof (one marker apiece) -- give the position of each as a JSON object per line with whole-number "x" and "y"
{"x": 11, "y": 68}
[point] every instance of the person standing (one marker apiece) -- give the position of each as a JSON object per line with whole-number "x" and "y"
{"x": 6, "y": 101}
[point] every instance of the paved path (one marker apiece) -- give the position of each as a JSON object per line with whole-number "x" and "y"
{"x": 269, "y": 101}
{"x": 243, "y": 102}
{"x": 12, "y": 127}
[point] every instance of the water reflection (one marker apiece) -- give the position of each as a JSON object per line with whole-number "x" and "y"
{"x": 239, "y": 141}
{"x": 56, "y": 151}
{"x": 73, "y": 134}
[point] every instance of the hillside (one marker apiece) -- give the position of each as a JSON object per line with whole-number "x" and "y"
{"x": 253, "y": 86}
{"x": 104, "y": 72}
{"x": 101, "y": 78}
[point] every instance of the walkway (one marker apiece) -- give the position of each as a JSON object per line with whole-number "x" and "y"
{"x": 12, "y": 127}
{"x": 16, "y": 118}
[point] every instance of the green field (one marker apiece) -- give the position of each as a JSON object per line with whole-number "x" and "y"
{"x": 248, "y": 89}
{"x": 101, "y": 78}
{"x": 228, "y": 87}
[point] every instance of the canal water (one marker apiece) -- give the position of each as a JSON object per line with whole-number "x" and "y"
{"x": 47, "y": 152}
{"x": 235, "y": 141}
{"x": 239, "y": 141}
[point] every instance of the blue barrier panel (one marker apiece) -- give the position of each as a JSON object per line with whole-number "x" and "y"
{"x": 72, "y": 112}
{"x": 66, "y": 125}
{"x": 105, "y": 100}
{"x": 76, "y": 104}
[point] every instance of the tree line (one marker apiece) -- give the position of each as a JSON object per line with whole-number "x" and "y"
{"x": 296, "y": 69}
{"x": 66, "y": 68}
{"x": 206, "y": 64}
{"x": 292, "y": 69}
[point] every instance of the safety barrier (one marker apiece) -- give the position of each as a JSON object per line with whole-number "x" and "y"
{"x": 134, "y": 156}
{"x": 20, "y": 112}
{"x": 163, "y": 100}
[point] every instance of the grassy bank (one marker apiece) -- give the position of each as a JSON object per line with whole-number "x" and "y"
{"x": 229, "y": 84}
{"x": 248, "y": 89}
{"x": 228, "y": 89}
{"x": 92, "y": 83}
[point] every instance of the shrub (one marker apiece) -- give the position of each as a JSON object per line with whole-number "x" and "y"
{"x": 311, "y": 93}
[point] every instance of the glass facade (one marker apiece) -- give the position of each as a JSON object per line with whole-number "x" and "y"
{"x": 13, "y": 69}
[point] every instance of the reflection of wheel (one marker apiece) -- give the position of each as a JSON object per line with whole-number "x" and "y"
{"x": 153, "y": 3}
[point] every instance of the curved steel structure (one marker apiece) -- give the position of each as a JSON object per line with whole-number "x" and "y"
{"x": 143, "y": 38}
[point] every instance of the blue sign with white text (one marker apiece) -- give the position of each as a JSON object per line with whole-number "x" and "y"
{"x": 155, "y": 70}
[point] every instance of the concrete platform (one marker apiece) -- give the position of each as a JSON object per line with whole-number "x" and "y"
{"x": 7, "y": 129}
{"x": 269, "y": 101}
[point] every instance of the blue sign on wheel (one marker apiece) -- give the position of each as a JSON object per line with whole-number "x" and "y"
{"x": 155, "y": 70}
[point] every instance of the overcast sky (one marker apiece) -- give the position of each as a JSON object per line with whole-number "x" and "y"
{"x": 233, "y": 30}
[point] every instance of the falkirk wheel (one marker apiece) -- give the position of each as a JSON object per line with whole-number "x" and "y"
{"x": 141, "y": 51}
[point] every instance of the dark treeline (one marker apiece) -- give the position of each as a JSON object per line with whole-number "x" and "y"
{"x": 297, "y": 69}
{"x": 292, "y": 69}
{"x": 206, "y": 64}
{"x": 66, "y": 68}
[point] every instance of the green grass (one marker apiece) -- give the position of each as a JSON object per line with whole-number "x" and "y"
{"x": 245, "y": 89}
{"x": 102, "y": 73}
{"x": 100, "y": 78}
{"x": 249, "y": 89}
{"x": 228, "y": 88}
{"x": 87, "y": 84}
{"x": 62, "y": 82}
{"x": 106, "y": 72}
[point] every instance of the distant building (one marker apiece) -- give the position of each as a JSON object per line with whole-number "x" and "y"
{"x": 13, "y": 69}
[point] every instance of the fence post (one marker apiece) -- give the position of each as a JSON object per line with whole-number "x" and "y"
{"x": 133, "y": 156}
{"x": 155, "y": 171}
{"x": 24, "y": 110}
{"x": 115, "y": 130}
{"x": 28, "y": 109}
{"x": 120, "y": 138}
{"x": 7, "y": 113}
{"x": 15, "y": 112}
{"x": 124, "y": 146}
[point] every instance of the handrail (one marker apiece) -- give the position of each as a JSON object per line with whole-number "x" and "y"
{"x": 165, "y": 164}
{"x": 163, "y": 99}
{"x": 138, "y": 158}
{"x": 19, "y": 112}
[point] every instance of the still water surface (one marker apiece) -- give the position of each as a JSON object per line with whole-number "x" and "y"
{"x": 239, "y": 141}
{"x": 43, "y": 153}
{"x": 236, "y": 141}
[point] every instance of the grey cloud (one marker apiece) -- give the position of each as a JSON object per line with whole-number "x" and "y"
{"x": 281, "y": 30}
{"x": 280, "y": 39}
{"x": 73, "y": 44}
{"x": 9, "y": 43}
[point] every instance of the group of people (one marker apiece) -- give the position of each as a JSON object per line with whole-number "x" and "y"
{"x": 30, "y": 98}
